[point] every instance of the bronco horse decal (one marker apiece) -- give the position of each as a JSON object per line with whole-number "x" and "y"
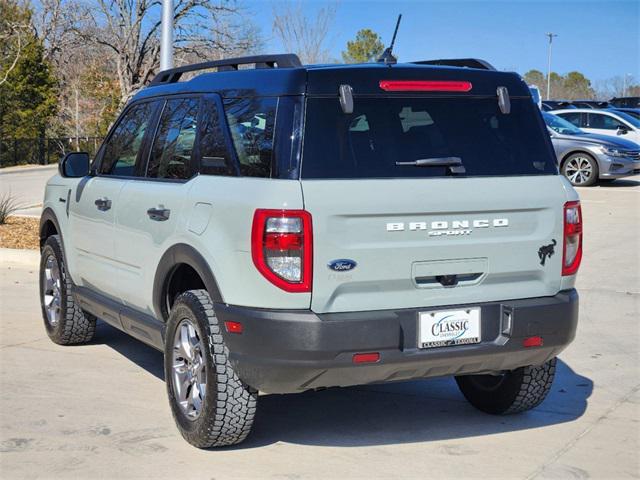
{"x": 546, "y": 251}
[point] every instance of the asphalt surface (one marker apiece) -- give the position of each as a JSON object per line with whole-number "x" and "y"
{"x": 100, "y": 410}
{"x": 26, "y": 184}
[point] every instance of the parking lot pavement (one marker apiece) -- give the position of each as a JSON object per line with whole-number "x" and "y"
{"x": 27, "y": 185}
{"x": 99, "y": 411}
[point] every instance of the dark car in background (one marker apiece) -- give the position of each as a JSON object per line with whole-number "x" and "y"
{"x": 548, "y": 105}
{"x": 634, "y": 112}
{"x": 585, "y": 158}
{"x": 594, "y": 104}
{"x": 625, "y": 102}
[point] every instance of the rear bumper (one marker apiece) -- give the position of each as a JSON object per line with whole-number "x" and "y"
{"x": 283, "y": 351}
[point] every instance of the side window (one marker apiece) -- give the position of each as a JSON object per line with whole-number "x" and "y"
{"x": 251, "y": 122}
{"x": 215, "y": 158}
{"x": 123, "y": 147}
{"x": 604, "y": 122}
{"x": 572, "y": 118}
{"x": 173, "y": 145}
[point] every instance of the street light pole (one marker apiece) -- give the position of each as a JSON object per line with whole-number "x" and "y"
{"x": 166, "y": 36}
{"x": 550, "y": 35}
{"x": 624, "y": 84}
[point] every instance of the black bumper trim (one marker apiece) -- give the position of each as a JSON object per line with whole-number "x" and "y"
{"x": 283, "y": 351}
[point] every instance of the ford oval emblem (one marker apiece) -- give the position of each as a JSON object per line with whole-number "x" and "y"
{"x": 342, "y": 265}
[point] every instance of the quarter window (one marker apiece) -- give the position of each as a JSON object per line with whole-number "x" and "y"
{"x": 251, "y": 123}
{"x": 123, "y": 147}
{"x": 173, "y": 145}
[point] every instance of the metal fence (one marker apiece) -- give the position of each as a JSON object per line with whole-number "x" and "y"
{"x": 44, "y": 150}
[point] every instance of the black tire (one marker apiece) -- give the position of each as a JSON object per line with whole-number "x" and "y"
{"x": 229, "y": 406}
{"x": 71, "y": 325}
{"x": 580, "y": 159}
{"x": 514, "y": 392}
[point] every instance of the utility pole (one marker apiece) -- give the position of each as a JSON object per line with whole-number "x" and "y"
{"x": 624, "y": 84}
{"x": 550, "y": 35}
{"x": 166, "y": 36}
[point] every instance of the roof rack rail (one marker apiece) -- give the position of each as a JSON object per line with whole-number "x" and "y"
{"x": 286, "y": 60}
{"x": 459, "y": 62}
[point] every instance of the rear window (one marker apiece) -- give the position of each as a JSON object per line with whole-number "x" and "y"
{"x": 382, "y": 131}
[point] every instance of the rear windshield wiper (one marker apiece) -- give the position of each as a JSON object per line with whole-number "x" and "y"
{"x": 454, "y": 163}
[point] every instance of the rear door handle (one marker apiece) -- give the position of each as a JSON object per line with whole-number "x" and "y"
{"x": 159, "y": 214}
{"x": 103, "y": 204}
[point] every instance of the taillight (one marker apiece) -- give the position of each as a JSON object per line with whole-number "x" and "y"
{"x": 572, "y": 249}
{"x": 281, "y": 247}
{"x": 425, "y": 86}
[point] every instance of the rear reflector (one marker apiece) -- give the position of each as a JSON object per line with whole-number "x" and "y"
{"x": 572, "y": 248}
{"x": 371, "y": 357}
{"x": 424, "y": 86}
{"x": 532, "y": 342}
{"x": 233, "y": 327}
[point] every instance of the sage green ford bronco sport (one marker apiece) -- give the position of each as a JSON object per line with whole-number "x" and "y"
{"x": 286, "y": 228}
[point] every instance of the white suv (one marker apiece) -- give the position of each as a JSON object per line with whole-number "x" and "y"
{"x": 288, "y": 228}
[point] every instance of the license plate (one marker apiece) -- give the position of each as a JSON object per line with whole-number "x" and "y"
{"x": 445, "y": 328}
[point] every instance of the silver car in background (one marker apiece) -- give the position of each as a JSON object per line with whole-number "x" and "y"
{"x": 584, "y": 158}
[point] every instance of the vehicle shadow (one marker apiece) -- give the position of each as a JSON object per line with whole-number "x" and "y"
{"x": 620, "y": 183}
{"x": 139, "y": 353}
{"x": 406, "y": 412}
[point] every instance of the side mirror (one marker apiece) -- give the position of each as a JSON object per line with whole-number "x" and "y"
{"x": 622, "y": 130}
{"x": 74, "y": 165}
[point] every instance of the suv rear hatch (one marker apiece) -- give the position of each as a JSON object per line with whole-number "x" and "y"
{"x": 398, "y": 223}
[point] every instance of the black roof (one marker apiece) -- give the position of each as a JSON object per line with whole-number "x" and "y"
{"x": 284, "y": 76}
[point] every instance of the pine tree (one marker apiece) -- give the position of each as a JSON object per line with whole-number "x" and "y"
{"x": 28, "y": 92}
{"x": 367, "y": 47}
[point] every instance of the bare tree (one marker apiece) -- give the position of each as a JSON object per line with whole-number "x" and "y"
{"x": 129, "y": 30}
{"x": 304, "y": 36}
{"x": 14, "y": 32}
{"x": 54, "y": 22}
{"x": 618, "y": 86}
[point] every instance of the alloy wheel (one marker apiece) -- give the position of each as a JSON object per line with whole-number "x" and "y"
{"x": 579, "y": 170}
{"x": 189, "y": 369}
{"x": 51, "y": 296}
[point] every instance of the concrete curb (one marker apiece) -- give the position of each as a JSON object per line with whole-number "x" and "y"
{"x": 6, "y": 170}
{"x": 23, "y": 257}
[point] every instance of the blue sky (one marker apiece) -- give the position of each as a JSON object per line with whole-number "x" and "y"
{"x": 599, "y": 38}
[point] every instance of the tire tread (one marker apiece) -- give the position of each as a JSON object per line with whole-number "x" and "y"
{"x": 236, "y": 402}
{"x": 76, "y": 326}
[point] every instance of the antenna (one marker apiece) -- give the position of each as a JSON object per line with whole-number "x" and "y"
{"x": 387, "y": 56}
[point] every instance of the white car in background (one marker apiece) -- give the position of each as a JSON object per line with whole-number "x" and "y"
{"x": 603, "y": 122}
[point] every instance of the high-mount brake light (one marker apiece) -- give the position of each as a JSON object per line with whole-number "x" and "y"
{"x": 425, "y": 85}
{"x": 282, "y": 248}
{"x": 572, "y": 247}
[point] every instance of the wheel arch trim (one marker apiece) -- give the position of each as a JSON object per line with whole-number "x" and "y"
{"x": 48, "y": 215}
{"x": 178, "y": 254}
